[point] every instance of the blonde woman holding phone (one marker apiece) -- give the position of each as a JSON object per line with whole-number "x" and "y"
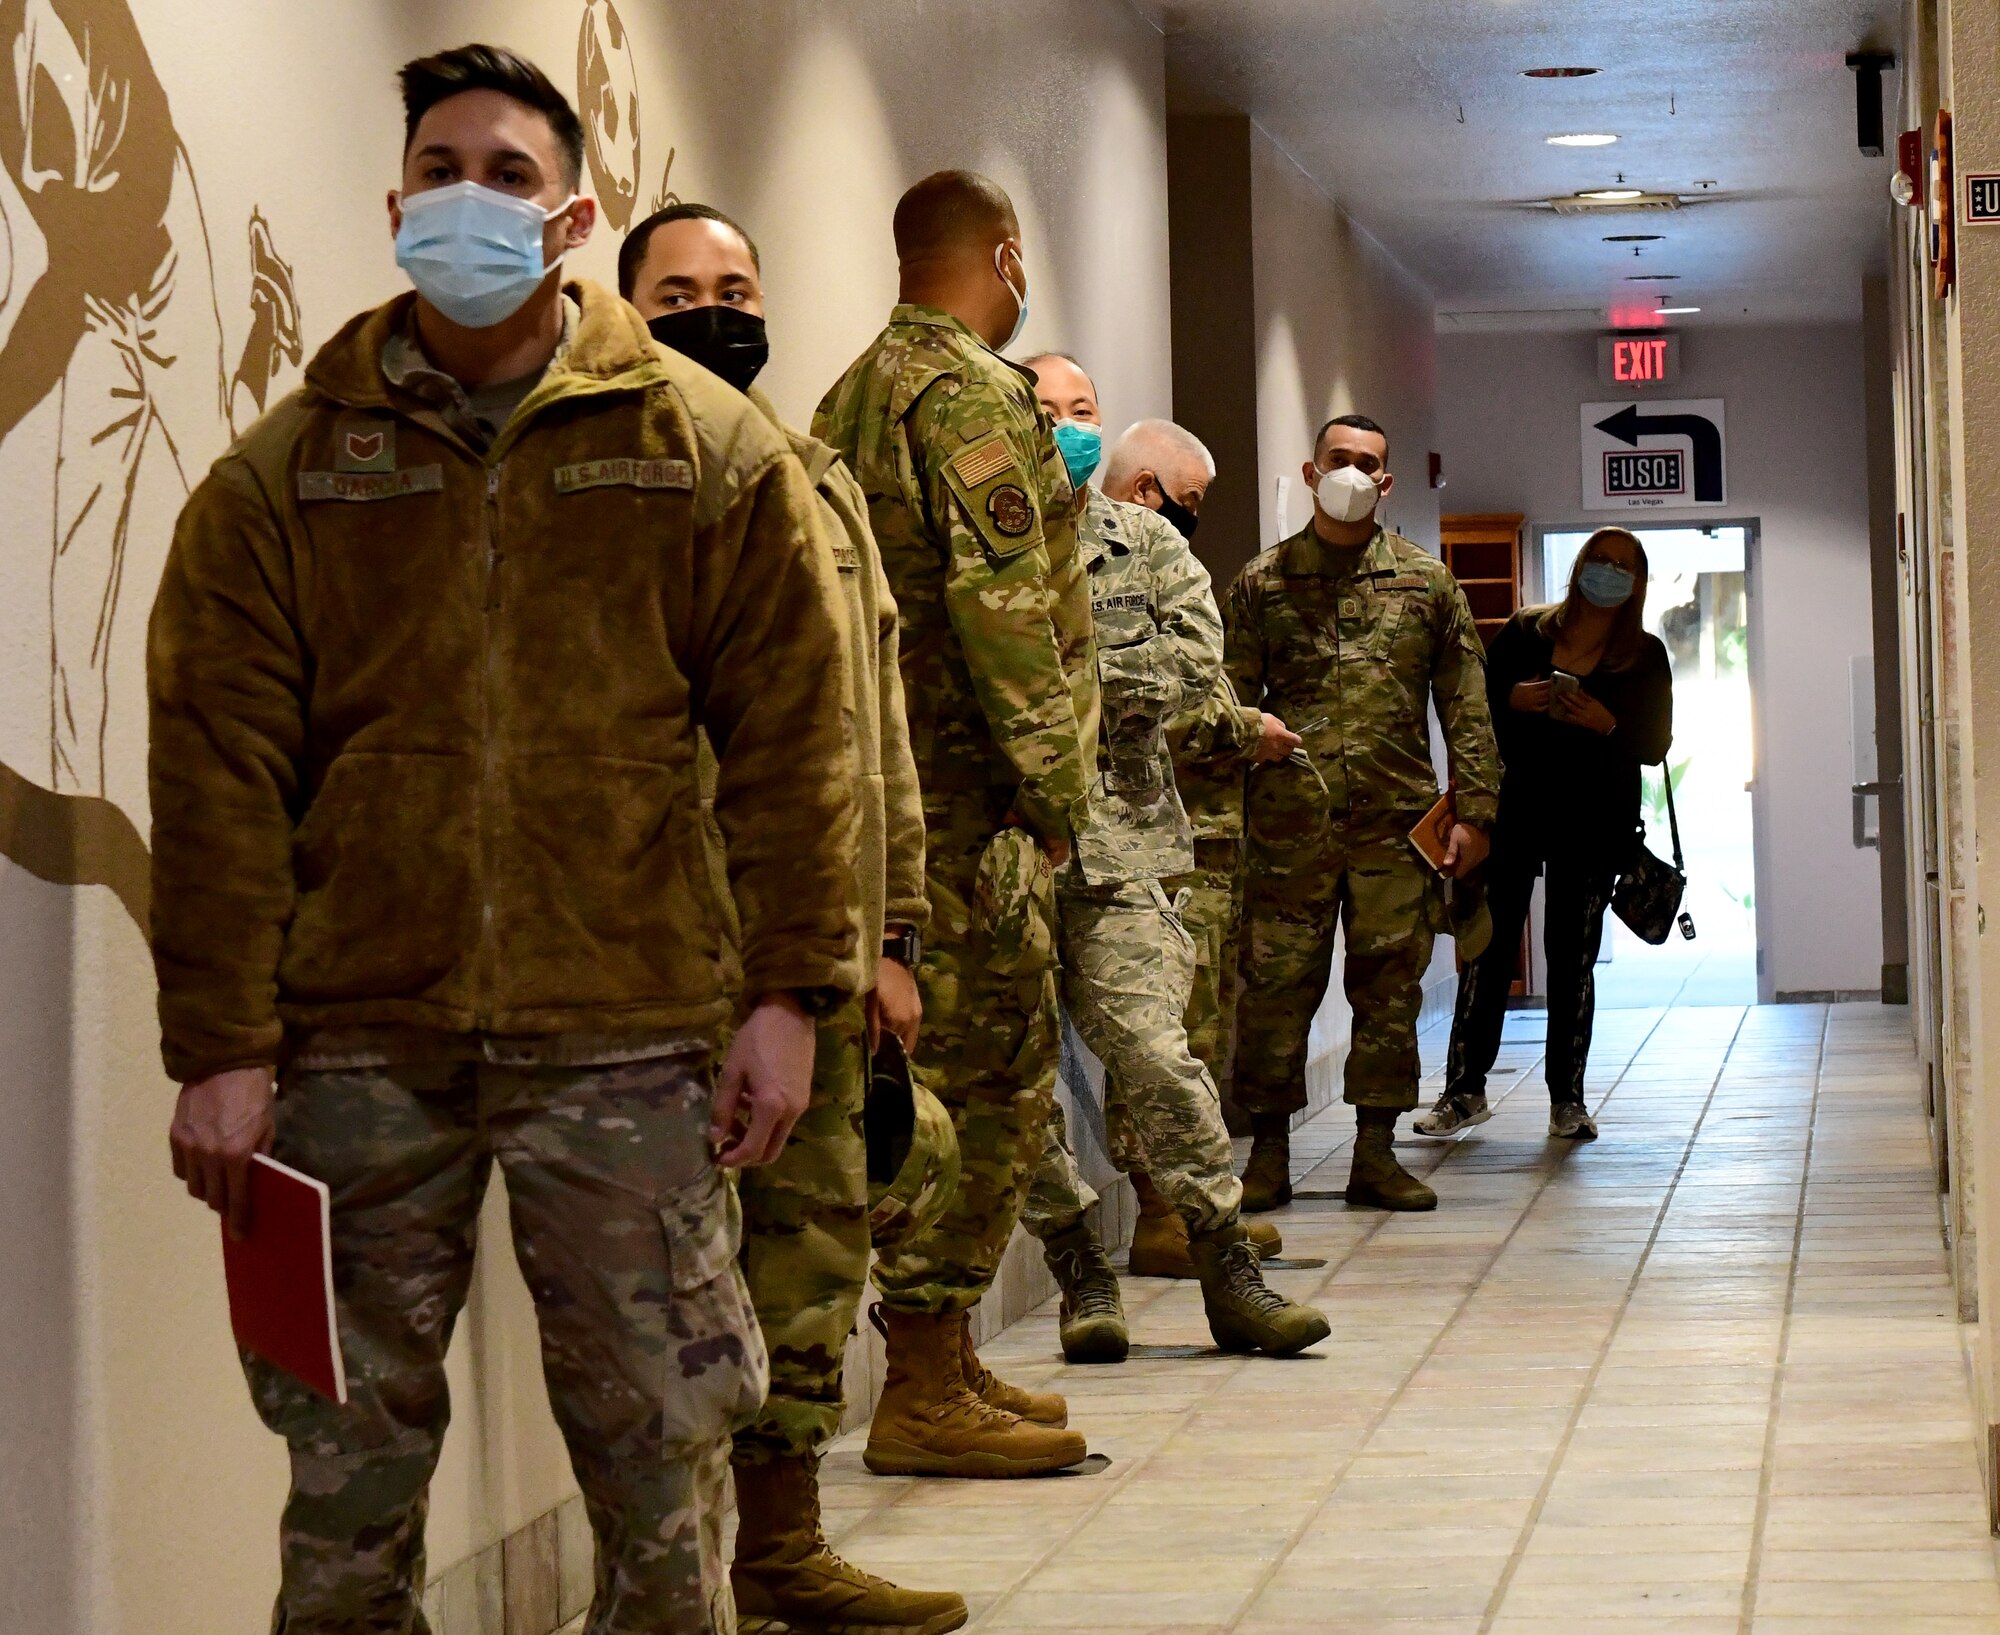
{"x": 1582, "y": 698}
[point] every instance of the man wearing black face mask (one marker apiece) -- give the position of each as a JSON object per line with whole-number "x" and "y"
{"x": 694, "y": 276}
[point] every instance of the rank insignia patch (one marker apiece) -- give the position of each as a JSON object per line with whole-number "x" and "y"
{"x": 1011, "y": 513}
{"x": 364, "y": 445}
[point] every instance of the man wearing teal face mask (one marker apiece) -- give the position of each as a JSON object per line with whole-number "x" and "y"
{"x": 427, "y": 666}
{"x": 1128, "y": 962}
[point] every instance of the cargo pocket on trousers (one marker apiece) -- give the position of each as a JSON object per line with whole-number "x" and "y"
{"x": 717, "y": 1371}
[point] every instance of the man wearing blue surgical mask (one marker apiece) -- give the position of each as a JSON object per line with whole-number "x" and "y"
{"x": 427, "y": 666}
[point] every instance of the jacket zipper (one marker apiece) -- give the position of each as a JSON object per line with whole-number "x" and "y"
{"x": 489, "y": 606}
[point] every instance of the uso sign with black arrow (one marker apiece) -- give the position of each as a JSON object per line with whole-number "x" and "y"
{"x": 1655, "y": 456}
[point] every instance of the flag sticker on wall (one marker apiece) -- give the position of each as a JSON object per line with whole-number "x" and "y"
{"x": 1982, "y": 200}
{"x": 1654, "y": 456}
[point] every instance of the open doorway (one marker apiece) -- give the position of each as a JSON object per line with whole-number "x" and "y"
{"x": 1698, "y": 604}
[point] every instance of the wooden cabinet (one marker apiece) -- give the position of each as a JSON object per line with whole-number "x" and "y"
{"x": 1483, "y": 552}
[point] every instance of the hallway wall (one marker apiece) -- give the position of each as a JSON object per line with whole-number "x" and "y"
{"x": 1342, "y": 328}
{"x": 154, "y": 1492}
{"x": 1797, "y": 456}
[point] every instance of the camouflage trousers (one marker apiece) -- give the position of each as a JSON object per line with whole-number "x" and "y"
{"x": 805, "y": 1249}
{"x": 1211, "y": 900}
{"x": 1370, "y": 882}
{"x": 626, "y": 1235}
{"x": 990, "y": 1045}
{"x": 1128, "y": 968}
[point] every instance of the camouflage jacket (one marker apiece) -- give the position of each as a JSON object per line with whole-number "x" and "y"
{"x": 1214, "y": 746}
{"x": 976, "y": 520}
{"x": 1351, "y": 662}
{"x": 1159, "y": 645}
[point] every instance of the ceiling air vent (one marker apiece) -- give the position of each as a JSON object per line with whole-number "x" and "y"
{"x": 1582, "y": 204}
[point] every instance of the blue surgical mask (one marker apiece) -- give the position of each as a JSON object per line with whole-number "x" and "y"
{"x": 1020, "y": 295}
{"x": 1082, "y": 447}
{"x": 1605, "y": 584}
{"x": 472, "y": 252}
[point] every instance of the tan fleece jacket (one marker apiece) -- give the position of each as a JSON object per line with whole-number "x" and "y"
{"x": 424, "y": 719}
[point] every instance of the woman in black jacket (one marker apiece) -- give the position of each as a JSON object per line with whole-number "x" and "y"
{"x": 1582, "y": 698}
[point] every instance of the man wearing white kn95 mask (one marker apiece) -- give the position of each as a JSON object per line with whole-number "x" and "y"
{"x": 1350, "y": 633}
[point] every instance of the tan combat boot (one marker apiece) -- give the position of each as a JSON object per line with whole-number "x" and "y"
{"x": 1160, "y": 1240}
{"x": 1267, "y": 1178}
{"x": 1036, "y": 1407}
{"x": 1093, "y": 1316}
{"x": 1377, "y": 1181}
{"x": 929, "y": 1422}
{"x": 785, "y": 1577}
{"x": 1244, "y": 1312}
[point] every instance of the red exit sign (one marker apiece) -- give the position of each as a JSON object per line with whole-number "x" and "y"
{"x": 1639, "y": 360}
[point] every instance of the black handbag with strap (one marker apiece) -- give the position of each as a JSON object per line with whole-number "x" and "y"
{"x": 1649, "y": 892}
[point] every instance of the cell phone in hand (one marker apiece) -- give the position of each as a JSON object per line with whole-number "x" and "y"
{"x": 1563, "y": 685}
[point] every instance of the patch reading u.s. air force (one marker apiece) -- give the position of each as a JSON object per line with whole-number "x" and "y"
{"x": 1009, "y": 508}
{"x": 624, "y": 473}
{"x": 1415, "y": 581}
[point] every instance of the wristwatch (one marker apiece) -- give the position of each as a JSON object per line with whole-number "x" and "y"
{"x": 905, "y": 945}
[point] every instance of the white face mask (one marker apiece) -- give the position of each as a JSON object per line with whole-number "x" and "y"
{"x": 1020, "y": 295}
{"x": 1348, "y": 494}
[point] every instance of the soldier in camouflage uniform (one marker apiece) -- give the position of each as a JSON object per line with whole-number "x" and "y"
{"x": 426, "y": 837}
{"x": 696, "y": 278}
{"x": 976, "y": 521}
{"x": 1349, "y": 631}
{"x": 1127, "y": 963}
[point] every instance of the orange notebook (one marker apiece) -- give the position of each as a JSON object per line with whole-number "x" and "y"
{"x": 280, "y": 1277}
{"x": 1432, "y": 835}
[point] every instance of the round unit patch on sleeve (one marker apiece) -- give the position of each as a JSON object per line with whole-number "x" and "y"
{"x": 1010, "y": 510}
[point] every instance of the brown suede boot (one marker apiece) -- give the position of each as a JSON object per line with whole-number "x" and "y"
{"x": 1036, "y": 1407}
{"x": 1376, "y": 1180}
{"x": 929, "y": 1423}
{"x": 785, "y": 1576}
{"x": 1267, "y": 1178}
{"x": 1244, "y": 1312}
{"x": 1160, "y": 1240}
{"x": 1092, "y": 1322}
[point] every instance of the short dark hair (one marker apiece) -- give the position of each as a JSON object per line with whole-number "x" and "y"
{"x": 427, "y": 81}
{"x": 951, "y": 210}
{"x": 632, "y": 253}
{"x": 1358, "y": 422}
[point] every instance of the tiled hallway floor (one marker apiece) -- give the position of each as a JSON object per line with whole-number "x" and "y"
{"x": 1702, "y": 1376}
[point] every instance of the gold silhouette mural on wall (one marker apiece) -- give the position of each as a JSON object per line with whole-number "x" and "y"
{"x": 607, "y": 100}
{"x": 114, "y": 391}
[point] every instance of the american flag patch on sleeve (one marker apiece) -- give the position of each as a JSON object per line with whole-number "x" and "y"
{"x": 983, "y": 461}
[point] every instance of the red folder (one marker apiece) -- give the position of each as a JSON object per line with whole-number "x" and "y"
{"x": 280, "y": 1277}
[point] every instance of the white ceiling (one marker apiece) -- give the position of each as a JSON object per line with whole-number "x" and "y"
{"x": 1752, "y": 96}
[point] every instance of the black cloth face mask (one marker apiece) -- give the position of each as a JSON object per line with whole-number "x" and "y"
{"x": 726, "y": 341}
{"x": 1178, "y": 514}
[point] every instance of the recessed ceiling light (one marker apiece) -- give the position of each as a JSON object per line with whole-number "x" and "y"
{"x": 1677, "y": 312}
{"x": 1634, "y": 238}
{"x": 1612, "y": 195}
{"x": 1557, "y": 73}
{"x": 1583, "y": 139}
